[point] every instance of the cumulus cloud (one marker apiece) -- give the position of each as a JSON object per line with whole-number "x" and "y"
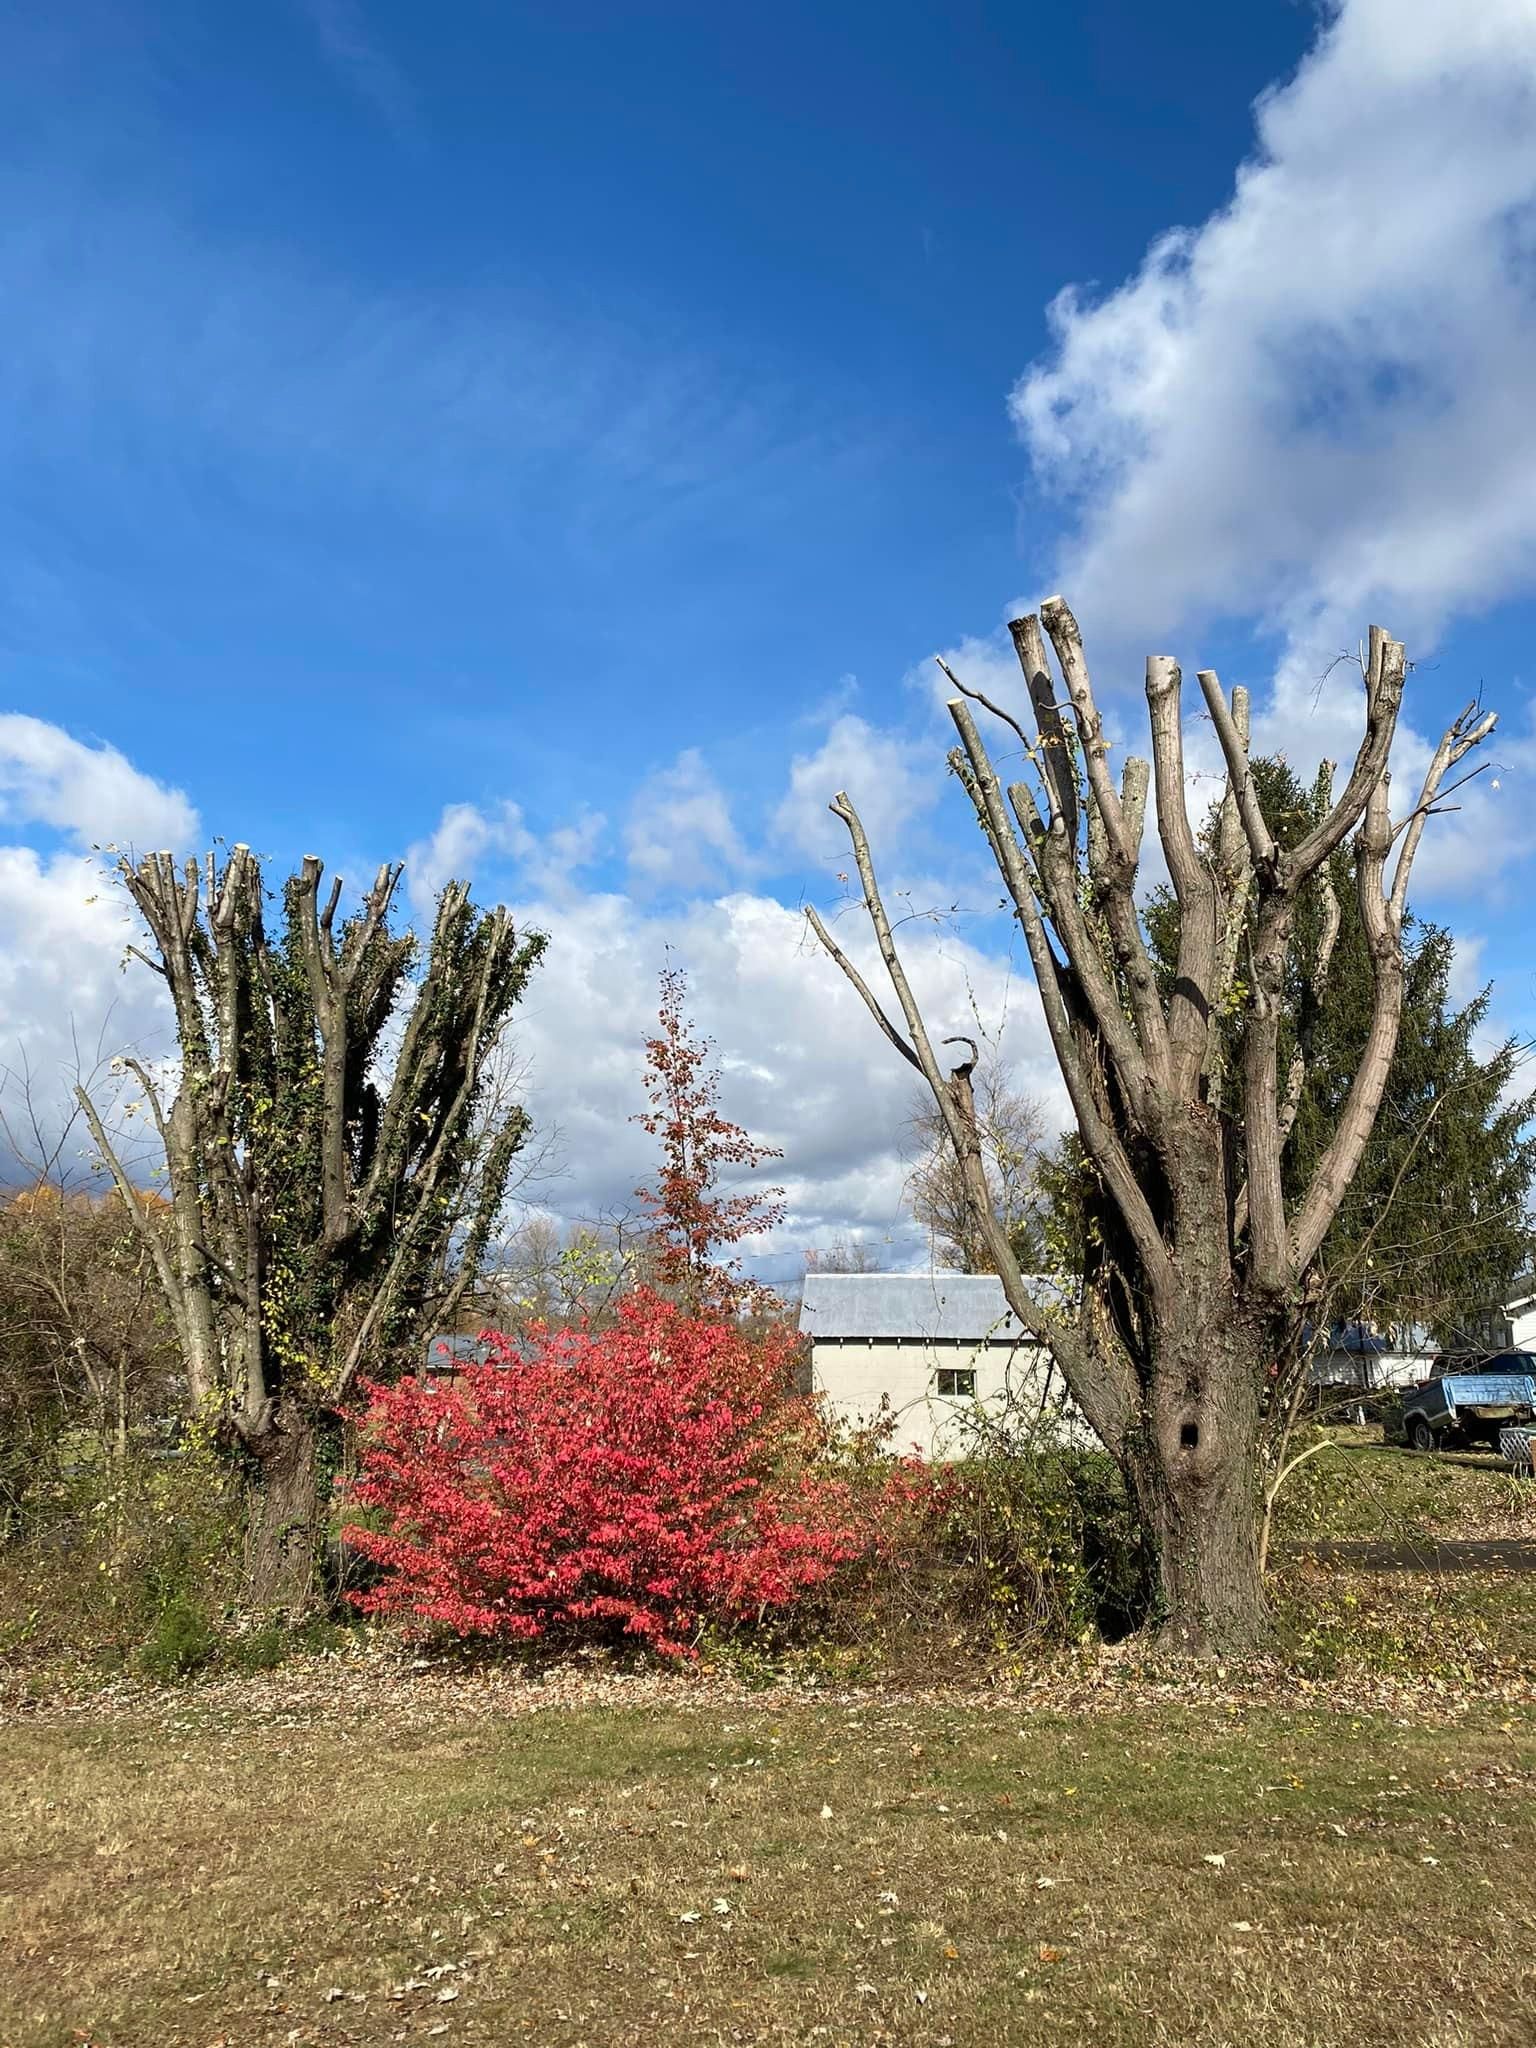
{"x": 468, "y": 843}
{"x": 1318, "y": 407}
{"x": 802, "y": 1066}
{"x": 1321, "y": 403}
{"x": 680, "y": 833}
{"x": 68, "y": 1000}
{"x": 890, "y": 777}
{"x": 93, "y": 793}
{"x": 65, "y": 998}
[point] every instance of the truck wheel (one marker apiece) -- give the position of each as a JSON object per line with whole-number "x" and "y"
{"x": 1420, "y": 1436}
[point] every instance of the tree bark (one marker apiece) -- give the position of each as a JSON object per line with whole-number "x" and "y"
{"x": 1191, "y": 1473}
{"x": 282, "y": 1527}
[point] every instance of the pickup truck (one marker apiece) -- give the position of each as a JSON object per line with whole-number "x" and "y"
{"x": 1472, "y": 1406}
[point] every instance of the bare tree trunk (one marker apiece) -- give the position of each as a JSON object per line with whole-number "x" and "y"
{"x": 282, "y": 1529}
{"x": 1192, "y": 1477}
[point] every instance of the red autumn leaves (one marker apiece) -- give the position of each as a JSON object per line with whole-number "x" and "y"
{"x": 643, "y": 1481}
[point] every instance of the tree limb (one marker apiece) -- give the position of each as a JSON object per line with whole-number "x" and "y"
{"x": 1189, "y": 1001}
{"x": 1234, "y": 747}
{"x": 1382, "y": 917}
{"x": 1068, "y": 643}
{"x": 1057, "y": 759}
{"x": 871, "y": 1001}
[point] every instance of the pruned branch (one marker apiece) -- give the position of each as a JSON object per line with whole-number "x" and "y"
{"x": 1468, "y": 731}
{"x": 1381, "y": 915}
{"x": 1058, "y": 760}
{"x": 1234, "y": 747}
{"x": 1189, "y": 1002}
{"x": 866, "y": 994}
{"x": 1068, "y": 643}
{"x": 1385, "y": 672}
{"x": 961, "y": 1124}
{"x": 1058, "y": 885}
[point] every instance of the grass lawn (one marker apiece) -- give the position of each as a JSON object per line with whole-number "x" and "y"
{"x": 333, "y": 1859}
{"x": 1359, "y": 1488}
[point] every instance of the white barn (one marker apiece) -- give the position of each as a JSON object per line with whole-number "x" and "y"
{"x": 926, "y": 1348}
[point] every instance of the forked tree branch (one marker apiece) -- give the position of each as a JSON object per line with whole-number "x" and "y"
{"x": 1056, "y": 876}
{"x": 1382, "y": 915}
{"x": 866, "y": 994}
{"x": 150, "y": 1238}
{"x": 1386, "y": 671}
{"x": 1468, "y": 731}
{"x": 1098, "y": 1134}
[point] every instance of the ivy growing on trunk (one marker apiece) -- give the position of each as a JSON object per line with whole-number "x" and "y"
{"x": 335, "y": 1154}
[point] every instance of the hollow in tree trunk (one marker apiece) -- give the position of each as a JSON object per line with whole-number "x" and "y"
{"x": 1192, "y": 1474}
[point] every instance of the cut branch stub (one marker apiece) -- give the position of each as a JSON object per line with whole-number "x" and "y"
{"x": 1058, "y": 761}
{"x": 1068, "y": 643}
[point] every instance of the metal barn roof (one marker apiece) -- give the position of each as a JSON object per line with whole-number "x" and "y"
{"x": 961, "y": 1307}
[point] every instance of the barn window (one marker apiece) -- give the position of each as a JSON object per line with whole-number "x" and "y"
{"x": 959, "y": 1381}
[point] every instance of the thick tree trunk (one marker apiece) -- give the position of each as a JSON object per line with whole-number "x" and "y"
{"x": 282, "y": 1516}
{"x": 1193, "y": 1472}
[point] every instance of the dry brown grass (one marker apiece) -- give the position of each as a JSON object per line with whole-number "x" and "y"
{"x": 279, "y": 1863}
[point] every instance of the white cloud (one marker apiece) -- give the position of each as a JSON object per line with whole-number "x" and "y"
{"x": 467, "y": 842}
{"x": 1318, "y": 408}
{"x": 680, "y": 833}
{"x": 94, "y": 793}
{"x": 67, "y": 1000}
{"x": 891, "y": 779}
{"x": 988, "y": 665}
{"x": 803, "y": 1065}
{"x": 1320, "y": 405}
{"x": 1466, "y": 977}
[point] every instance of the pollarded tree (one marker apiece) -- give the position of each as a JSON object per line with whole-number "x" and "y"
{"x": 1201, "y": 1269}
{"x": 332, "y": 1182}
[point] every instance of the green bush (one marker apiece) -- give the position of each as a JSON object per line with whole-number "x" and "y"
{"x": 182, "y": 1641}
{"x": 260, "y": 1649}
{"x": 1041, "y": 1540}
{"x": 110, "y": 1545}
{"x": 1025, "y": 1543}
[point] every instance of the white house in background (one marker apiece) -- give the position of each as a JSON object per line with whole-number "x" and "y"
{"x": 1359, "y": 1359}
{"x": 1511, "y": 1326}
{"x": 926, "y": 1348}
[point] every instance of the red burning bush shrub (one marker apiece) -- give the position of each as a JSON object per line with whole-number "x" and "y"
{"x": 642, "y": 1480}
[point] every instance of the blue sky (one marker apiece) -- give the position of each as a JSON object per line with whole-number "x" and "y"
{"x": 461, "y": 362}
{"x": 555, "y": 440}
